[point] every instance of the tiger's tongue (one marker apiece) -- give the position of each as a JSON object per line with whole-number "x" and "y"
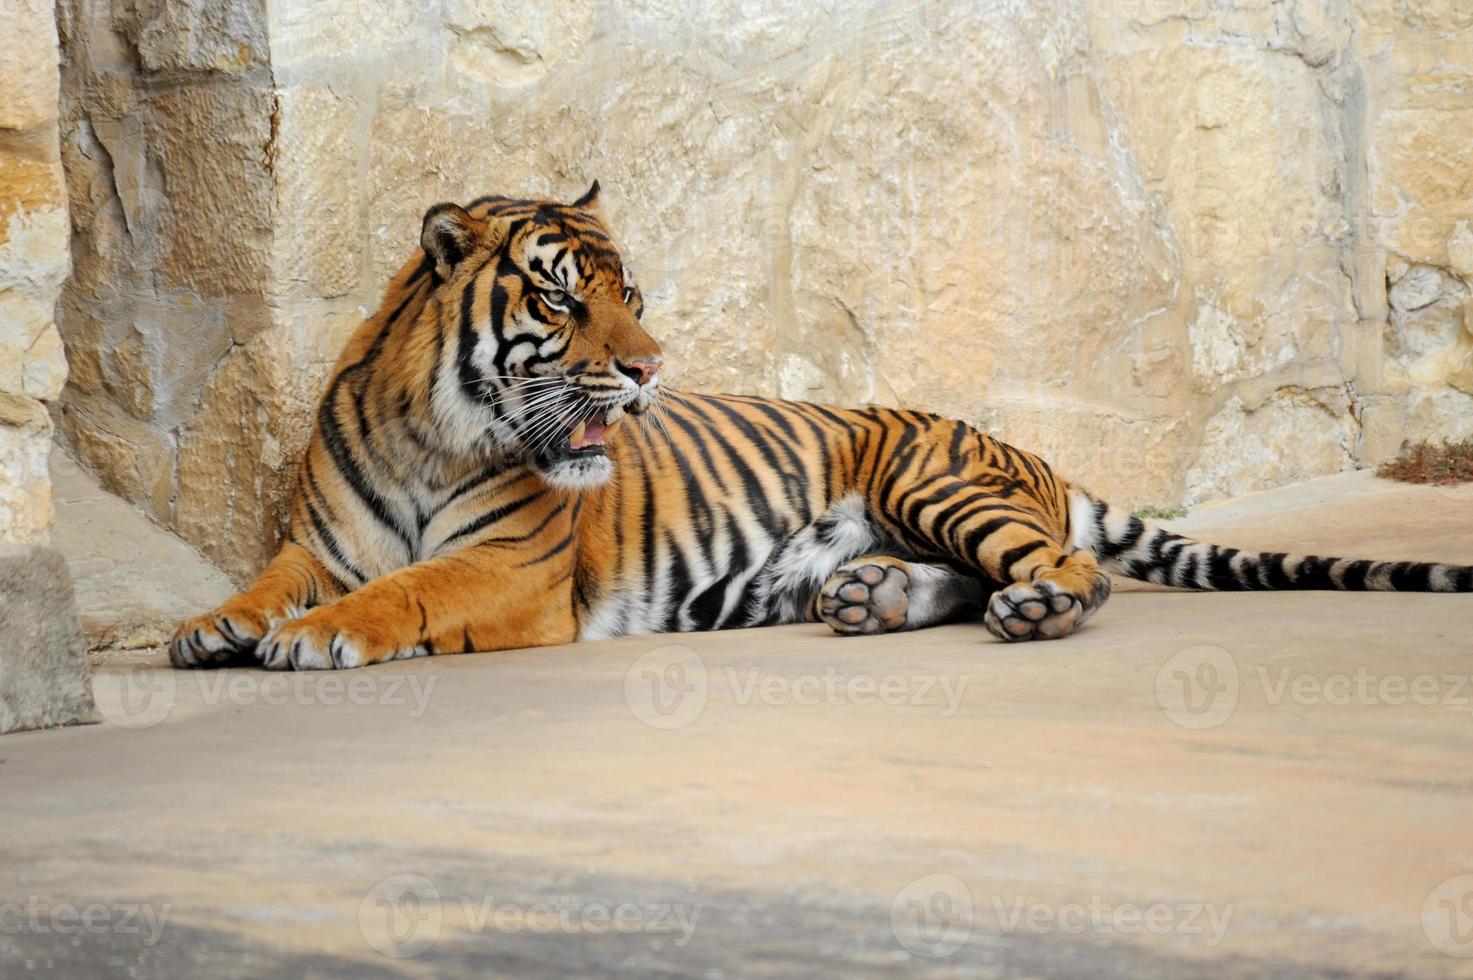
{"x": 588, "y": 433}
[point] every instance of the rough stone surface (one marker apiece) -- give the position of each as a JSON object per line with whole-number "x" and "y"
{"x": 1122, "y": 234}
{"x": 25, "y": 488}
{"x": 28, "y": 65}
{"x": 34, "y": 259}
{"x": 44, "y": 676}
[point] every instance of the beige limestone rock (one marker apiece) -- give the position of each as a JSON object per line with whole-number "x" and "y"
{"x": 136, "y": 461}
{"x": 221, "y": 36}
{"x": 1179, "y": 246}
{"x": 301, "y": 33}
{"x": 513, "y": 42}
{"x": 1460, "y": 251}
{"x": 213, "y": 147}
{"x": 318, "y": 185}
{"x": 28, "y": 65}
{"x": 43, "y": 370}
{"x": 1294, "y": 435}
{"x": 25, "y": 487}
{"x": 44, "y": 674}
{"x": 237, "y": 457}
{"x": 1418, "y": 288}
{"x": 33, "y": 263}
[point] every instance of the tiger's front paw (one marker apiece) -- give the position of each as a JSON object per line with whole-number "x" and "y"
{"x": 318, "y": 641}
{"x": 310, "y": 643}
{"x": 218, "y": 639}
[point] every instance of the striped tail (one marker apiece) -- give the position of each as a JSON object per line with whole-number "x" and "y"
{"x": 1142, "y": 550}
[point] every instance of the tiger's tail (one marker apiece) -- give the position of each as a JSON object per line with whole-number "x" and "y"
{"x": 1143, "y": 550}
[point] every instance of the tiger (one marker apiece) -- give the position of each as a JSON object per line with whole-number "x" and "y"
{"x": 496, "y": 464}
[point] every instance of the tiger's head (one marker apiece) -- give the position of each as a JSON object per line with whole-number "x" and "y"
{"x": 543, "y": 350}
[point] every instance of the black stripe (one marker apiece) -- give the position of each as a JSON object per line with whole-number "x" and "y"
{"x": 492, "y": 516}
{"x": 972, "y": 543}
{"x": 1354, "y": 578}
{"x": 330, "y": 542}
{"x": 1411, "y": 576}
{"x": 1133, "y": 531}
{"x": 1220, "y": 574}
{"x": 342, "y": 457}
{"x": 1014, "y": 555}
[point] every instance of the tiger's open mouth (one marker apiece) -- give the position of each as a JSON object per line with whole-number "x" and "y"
{"x": 589, "y": 435}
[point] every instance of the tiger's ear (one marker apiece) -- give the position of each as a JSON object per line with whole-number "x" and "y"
{"x": 449, "y": 235}
{"x": 589, "y": 201}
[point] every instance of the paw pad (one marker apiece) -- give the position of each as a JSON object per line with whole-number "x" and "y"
{"x": 865, "y": 599}
{"x": 1041, "y": 611}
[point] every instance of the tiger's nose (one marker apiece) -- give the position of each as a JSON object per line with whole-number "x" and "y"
{"x": 640, "y": 371}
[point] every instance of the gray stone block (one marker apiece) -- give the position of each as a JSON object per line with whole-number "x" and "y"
{"x": 44, "y": 675}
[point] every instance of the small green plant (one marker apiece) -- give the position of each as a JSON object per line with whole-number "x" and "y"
{"x": 1429, "y": 462}
{"x": 1161, "y": 513}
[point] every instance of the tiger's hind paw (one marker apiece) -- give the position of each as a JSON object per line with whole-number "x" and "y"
{"x": 864, "y": 598}
{"x": 1047, "y": 608}
{"x": 1032, "y": 612}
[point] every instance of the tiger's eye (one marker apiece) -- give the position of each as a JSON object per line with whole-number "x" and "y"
{"x": 555, "y": 297}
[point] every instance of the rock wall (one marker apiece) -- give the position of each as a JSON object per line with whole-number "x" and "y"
{"x": 1186, "y": 248}
{"x": 44, "y": 676}
{"x": 33, "y": 263}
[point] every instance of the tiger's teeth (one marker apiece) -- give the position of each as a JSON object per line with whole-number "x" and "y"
{"x": 613, "y": 415}
{"x": 609, "y": 426}
{"x": 576, "y": 439}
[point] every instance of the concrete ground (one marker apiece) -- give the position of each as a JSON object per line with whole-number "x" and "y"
{"x": 1221, "y": 785}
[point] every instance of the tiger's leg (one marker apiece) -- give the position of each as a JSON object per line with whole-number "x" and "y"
{"x": 294, "y": 582}
{"x": 883, "y": 594}
{"x": 476, "y": 599}
{"x": 1009, "y": 537}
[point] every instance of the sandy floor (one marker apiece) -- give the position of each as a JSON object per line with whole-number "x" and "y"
{"x": 1224, "y": 785}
